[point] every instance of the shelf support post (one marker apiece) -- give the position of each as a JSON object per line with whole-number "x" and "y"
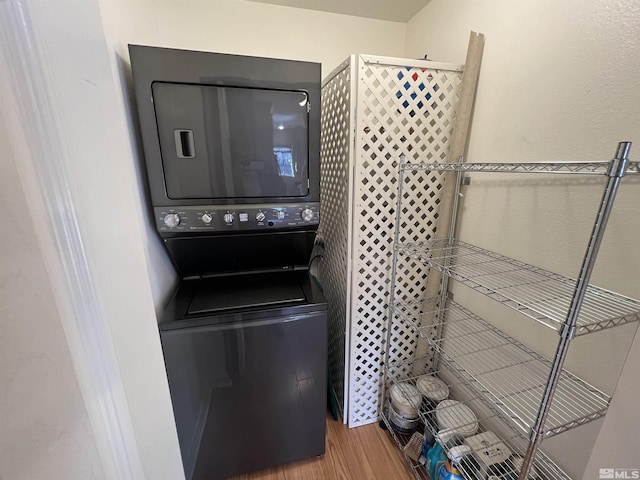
{"x": 444, "y": 285}
{"x": 617, "y": 170}
{"x": 392, "y": 286}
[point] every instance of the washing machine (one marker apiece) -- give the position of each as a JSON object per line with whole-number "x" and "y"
{"x": 246, "y": 363}
{"x": 231, "y": 146}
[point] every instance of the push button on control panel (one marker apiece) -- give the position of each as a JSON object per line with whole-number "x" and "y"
{"x": 244, "y": 217}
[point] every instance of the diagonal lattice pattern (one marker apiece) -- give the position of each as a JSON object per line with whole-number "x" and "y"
{"x": 334, "y": 228}
{"x": 398, "y": 110}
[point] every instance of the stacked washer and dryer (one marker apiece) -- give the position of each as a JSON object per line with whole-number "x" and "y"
{"x": 232, "y": 147}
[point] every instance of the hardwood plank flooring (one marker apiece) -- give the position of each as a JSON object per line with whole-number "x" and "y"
{"x": 362, "y": 453}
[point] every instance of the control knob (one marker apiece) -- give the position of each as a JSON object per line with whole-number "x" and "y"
{"x": 280, "y": 215}
{"x": 307, "y": 214}
{"x": 260, "y": 216}
{"x": 228, "y": 217}
{"x": 172, "y": 220}
{"x": 206, "y": 218}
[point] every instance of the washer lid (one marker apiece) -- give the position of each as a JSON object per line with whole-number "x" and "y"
{"x": 432, "y": 387}
{"x": 246, "y": 291}
{"x": 456, "y": 417}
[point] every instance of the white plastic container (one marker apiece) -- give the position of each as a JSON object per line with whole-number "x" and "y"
{"x": 432, "y": 388}
{"x": 406, "y": 399}
{"x": 490, "y": 452}
{"x": 456, "y": 418}
{"x": 400, "y": 423}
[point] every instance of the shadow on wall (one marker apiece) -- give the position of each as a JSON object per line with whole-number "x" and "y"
{"x": 163, "y": 277}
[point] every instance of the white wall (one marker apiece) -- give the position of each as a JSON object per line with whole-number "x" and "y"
{"x": 249, "y": 28}
{"x": 45, "y": 427}
{"x": 559, "y": 81}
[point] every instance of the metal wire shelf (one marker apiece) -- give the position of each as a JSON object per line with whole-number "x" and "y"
{"x": 534, "y": 397}
{"x": 539, "y": 294}
{"x": 401, "y": 441}
{"x": 584, "y": 168}
{"x": 508, "y": 373}
{"x": 488, "y": 421}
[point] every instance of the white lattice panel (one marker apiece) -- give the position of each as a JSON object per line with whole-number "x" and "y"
{"x": 334, "y": 204}
{"x": 399, "y": 109}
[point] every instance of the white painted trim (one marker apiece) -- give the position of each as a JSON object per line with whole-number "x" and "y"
{"x": 27, "y": 106}
{"x": 352, "y": 64}
{"x": 357, "y": 62}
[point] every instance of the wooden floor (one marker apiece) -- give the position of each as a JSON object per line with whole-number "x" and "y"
{"x": 362, "y": 453}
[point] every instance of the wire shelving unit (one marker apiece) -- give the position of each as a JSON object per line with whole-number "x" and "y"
{"x": 487, "y": 419}
{"x": 513, "y": 389}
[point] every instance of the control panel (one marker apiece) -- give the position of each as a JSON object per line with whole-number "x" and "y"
{"x": 229, "y": 218}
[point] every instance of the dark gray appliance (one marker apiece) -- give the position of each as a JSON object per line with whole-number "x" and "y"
{"x": 231, "y": 149}
{"x": 246, "y": 362}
